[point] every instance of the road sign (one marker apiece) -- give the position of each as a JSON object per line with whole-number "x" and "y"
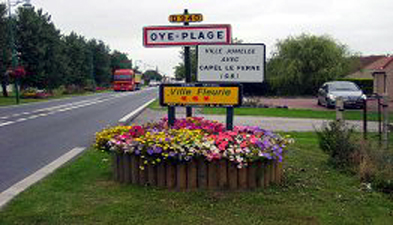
{"x": 185, "y": 18}
{"x": 224, "y": 95}
{"x": 186, "y": 35}
{"x": 243, "y": 63}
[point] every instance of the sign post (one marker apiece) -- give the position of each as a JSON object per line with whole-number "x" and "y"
{"x": 192, "y": 36}
{"x": 187, "y": 64}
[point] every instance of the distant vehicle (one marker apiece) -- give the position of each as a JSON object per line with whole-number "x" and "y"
{"x": 124, "y": 80}
{"x": 154, "y": 83}
{"x": 352, "y": 95}
{"x": 138, "y": 81}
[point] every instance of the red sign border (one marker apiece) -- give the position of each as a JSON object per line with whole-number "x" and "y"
{"x": 226, "y": 26}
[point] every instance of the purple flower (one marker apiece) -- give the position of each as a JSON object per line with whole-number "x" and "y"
{"x": 157, "y": 149}
{"x": 137, "y": 152}
{"x": 150, "y": 151}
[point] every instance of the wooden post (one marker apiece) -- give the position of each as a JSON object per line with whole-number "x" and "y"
{"x": 260, "y": 174}
{"x": 114, "y": 166}
{"x": 142, "y": 172}
{"x": 242, "y": 176}
{"x": 161, "y": 175}
{"x": 170, "y": 175}
{"x": 120, "y": 168}
{"x": 212, "y": 177}
{"x": 252, "y": 179}
{"x": 192, "y": 175}
{"x": 339, "y": 108}
{"x": 127, "y": 168}
{"x": 385, "y": 106}
{"x": 232, "y": 176}
{"x": 202, "y": 174}
{"x": 266, "y": 176}
{"x": 152, "y": 175}
{"x": 181, "y": 176}
{"x": 134, "y": 169}
{"x": 223, "y": 174}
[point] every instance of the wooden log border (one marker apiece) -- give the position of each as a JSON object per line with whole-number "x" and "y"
{"x": 197, "y": 174}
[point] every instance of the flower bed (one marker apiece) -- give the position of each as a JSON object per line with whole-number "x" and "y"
{"x": 194, "y": 153}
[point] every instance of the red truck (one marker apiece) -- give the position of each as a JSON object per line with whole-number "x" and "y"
{"x": 124, "y": 80}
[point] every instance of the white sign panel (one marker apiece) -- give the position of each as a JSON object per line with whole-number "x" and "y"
{"x": 231, "y": 63}
{"x": 186, "y": 35}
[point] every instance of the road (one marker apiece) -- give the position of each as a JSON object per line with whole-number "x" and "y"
{"x": 33, "y": 135}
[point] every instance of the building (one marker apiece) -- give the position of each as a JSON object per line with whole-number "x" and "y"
{"x": 380, "y": 69}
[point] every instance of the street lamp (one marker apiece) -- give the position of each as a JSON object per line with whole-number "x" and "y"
{"x": 14, "y": 65}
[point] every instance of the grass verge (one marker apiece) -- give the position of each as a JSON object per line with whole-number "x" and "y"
{"x": 296, "y": 113}
{"x": 11, "y": 99}
{"x": 313, "y": 193}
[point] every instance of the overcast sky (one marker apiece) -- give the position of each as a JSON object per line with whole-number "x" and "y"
{"x": 365, "y": 26}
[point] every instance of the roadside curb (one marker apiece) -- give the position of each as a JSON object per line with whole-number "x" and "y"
{"x": 129, "y": 117}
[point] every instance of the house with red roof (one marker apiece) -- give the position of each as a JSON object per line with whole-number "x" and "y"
{"x": 380, "y": 69}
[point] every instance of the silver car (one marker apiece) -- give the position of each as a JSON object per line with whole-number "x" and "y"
{"x": 352, "y": 95}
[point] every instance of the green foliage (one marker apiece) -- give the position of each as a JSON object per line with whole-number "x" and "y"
{"x": 180, "y": 70}
{"x": 367, "y": 85}
{"x": 151, "y": 75}
{"x": 339, "y": 141}
{"x": 301, "y": 64}
{"x": 119, "y": 60}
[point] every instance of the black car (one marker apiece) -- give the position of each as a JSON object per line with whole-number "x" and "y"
{"x": 352, "y": 95}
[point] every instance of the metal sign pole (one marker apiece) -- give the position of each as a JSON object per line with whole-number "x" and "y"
{"x": 230, "y": 118}
{"x": 187, "y": 65}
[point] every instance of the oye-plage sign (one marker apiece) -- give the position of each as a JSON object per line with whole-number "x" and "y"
{"x": 231, "y": 63}
{"x": 186, "y": 35}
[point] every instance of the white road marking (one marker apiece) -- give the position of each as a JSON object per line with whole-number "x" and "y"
{"x": 21, "y": 120}
{"x": 61, "y": 108}
{"x": 6, "y": 123}
{"x": 128, "y": 117}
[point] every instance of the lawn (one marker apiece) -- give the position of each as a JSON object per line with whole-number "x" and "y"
{"x": 288, "y": 113}
{"x": 297, "y": 113}
{"x": 313, "y": 193}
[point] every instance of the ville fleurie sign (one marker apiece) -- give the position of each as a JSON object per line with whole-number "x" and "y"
{"x": 224, "y": 95}
{"x": 157, "y": 36}
{"x": 243, "y": 63}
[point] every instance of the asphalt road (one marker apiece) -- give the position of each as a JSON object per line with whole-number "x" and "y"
{"x": 33, "y": 135}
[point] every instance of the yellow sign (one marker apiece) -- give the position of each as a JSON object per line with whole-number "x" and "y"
{"x": 178, "y": 95}
{"x": 185, "y": 18}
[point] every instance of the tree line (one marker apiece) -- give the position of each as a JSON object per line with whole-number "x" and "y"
{"x": 298, "y": 66}
{"x": 52, "y": 59}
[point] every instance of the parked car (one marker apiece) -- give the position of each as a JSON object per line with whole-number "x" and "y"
{"x": 352, "y": 95}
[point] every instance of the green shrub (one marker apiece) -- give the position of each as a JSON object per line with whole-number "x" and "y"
{"x": 339, "y": 141}
{"x": 376, "y": 167}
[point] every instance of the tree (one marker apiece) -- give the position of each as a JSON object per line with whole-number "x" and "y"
{"x": 3, "y": 49}
{"x": 180, "y": 70}
{"x": 79, "y": 63}
{"x": 120, "y": 60}
{"x": 101, "y": 62}
{"x": 39, "y": 48}
{"x": 301, "y": 64}
{"x": 151, "y": 75}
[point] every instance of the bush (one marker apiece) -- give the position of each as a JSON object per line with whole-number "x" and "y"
{"x": 339, "y": 141}
{"x": 376, "y": 166}
{"x": 366, "y": 158}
